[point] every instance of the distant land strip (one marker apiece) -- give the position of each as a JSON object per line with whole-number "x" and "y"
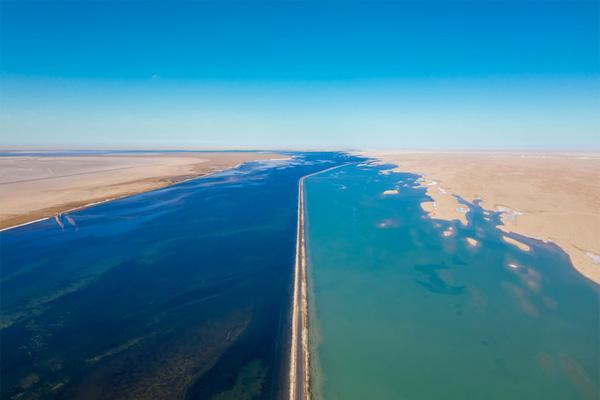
{"x": 299, "y": 380}
{"x": 38, "y": 188}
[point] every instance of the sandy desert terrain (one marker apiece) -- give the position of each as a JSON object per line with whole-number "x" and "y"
{"x": 39, "y": 187}
{"x": 548, "y": 196}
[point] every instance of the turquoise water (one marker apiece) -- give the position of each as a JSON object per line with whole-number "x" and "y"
{"x": 400, "y": 312}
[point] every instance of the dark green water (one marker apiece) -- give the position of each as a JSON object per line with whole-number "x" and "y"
{"x": 182, "y": 292}
{"x": 400, "y": 312}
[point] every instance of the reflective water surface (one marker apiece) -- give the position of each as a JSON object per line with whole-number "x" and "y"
{"x": 399, "y": 311}
{"x": 179, "y": 292}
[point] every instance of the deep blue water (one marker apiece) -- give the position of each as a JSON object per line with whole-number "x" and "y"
{"x": 183, "y": 292}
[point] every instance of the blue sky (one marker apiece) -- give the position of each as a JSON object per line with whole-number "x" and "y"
{"x": 394, "y": 74}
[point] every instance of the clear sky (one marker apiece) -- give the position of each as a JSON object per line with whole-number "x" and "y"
{"x": 395, "y": 74}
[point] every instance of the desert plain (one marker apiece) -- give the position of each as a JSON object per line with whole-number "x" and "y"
{"x": 550, "y": 196}
{"x": 38, "y": 187}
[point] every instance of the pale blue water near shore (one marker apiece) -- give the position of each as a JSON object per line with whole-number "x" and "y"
{"x": 400, "y": 312}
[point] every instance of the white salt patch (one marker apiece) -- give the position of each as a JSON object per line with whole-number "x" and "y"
{"x": 509, "y": 212}
{"x": 595, "y": 258}
{"x": 388, "y": 223}
{"x": 59, "y": 222}
{"x": 448, "y": 232}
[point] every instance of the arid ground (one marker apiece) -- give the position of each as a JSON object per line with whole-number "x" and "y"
{"x": 39, "y": 187}
{"x": 547, "y": 196}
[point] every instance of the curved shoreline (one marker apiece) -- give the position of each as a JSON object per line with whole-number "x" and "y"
{"x": 545, "y": 196}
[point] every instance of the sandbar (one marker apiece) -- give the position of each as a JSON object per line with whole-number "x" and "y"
{"x": 514, "y": 242}
{"x": 39, "y": 187}
{"x": 444, "y": 205}
{"x": 551, "y": 196}
{"x": 472, "y": 242}
{"x": 299, "y": 384}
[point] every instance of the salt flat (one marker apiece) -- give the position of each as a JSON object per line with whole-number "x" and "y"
{"x": 41, "y": 186}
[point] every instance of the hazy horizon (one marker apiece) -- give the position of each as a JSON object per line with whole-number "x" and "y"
{"x": 301, "y": 75}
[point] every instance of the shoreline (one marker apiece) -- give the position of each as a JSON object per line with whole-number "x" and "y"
{"x": 299, "y": 376}
{"x": 545, "y": 196}
{"x": 149, "y": 184}
{"x": 298, "y": 358}
{"x": 107, "y": 200}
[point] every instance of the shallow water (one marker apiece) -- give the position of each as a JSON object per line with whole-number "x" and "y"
{"x": 179, "y": 292}
{"x": 400, "y": 312}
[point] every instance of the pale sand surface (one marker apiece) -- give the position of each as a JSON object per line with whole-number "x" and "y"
{"x": 516, "y": 243}
{"x": 549, "y": 196}
{"x": 472, "y": 242}
{"x": 39, "y": 187}
{"x": 444, "y": 205}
